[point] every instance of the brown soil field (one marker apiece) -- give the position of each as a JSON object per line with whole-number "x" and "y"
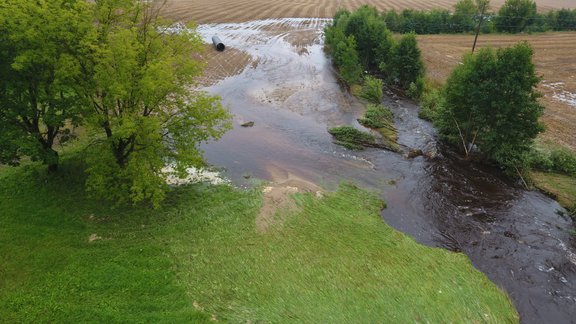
{"x": 224, "y": 64}
{"x": 555, "y": 63}
{"x": 220, "y": 11}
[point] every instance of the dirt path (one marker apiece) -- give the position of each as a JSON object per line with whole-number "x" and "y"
{"x": 277, "y": 201}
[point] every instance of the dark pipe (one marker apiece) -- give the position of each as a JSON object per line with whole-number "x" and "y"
{"x": 218, "y": 43}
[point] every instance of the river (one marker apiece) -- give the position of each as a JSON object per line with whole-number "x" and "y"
{"x": 518, "y": 238}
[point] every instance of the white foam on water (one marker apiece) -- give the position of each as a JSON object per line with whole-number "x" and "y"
{"x": 193, "y": 175}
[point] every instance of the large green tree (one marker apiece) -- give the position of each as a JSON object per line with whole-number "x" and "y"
{"x": 140, "y": 88}
{"x": 491, "y": 104}
{"x": 39, "y": 46}
{"x": 346, "y": 58}
{"x": 406, "y": 62}
{"x": 373, "y": 40}
{"x": 515, "y": 15}
{"x": 343, "y": 48}
{"x": 463, "y": 17}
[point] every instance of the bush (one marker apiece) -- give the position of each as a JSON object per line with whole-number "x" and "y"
{"x": 431, "y": 101}
{"x": 372, "y": 90}
{"x": 564, "y": 161}
{"x": 373, "y": 40}
{"x": 416, "y": 89}
{"x": 572, "y": 210}
{"x": 535, "y": 159}
{"x": 344, "y": 54}
{"x": 406, "y": 65}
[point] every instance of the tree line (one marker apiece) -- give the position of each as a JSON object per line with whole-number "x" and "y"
{"x": 116, "y": 69}
{"x": 515, "y": 16}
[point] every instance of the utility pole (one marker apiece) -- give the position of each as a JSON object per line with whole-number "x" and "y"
{"x": 483, "y": 5}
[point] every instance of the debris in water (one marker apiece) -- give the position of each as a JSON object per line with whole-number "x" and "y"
{"x": 248, "y": 124}
{"x": 414, "y": 153}
{"x": 218, "y": 43}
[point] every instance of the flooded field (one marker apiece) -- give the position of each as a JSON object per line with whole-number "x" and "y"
{"x": 279, "y": 78}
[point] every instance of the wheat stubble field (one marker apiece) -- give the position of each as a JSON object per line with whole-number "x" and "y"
{"x": 554, "y": 52}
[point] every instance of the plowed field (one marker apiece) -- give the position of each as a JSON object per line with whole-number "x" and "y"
{"x": 219, "y": 11}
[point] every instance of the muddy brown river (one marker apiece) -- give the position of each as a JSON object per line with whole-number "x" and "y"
{"x": 519, "y": 239}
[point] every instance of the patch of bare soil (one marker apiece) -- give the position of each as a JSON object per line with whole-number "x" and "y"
{"x": 278, "y": 202}
{"x": 554, "y": 60}
{"x": 221, "y": 65}
{"x": 93, "y": 237}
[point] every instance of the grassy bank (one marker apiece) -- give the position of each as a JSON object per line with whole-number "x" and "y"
{"x": 200, "y": 257}
{"x": 560, "y": 186}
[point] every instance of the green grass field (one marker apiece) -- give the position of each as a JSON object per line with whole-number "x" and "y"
{"x": 200, "y": 258}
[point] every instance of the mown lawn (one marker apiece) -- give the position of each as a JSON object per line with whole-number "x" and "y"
{"x": 200, "y": 258}
{"x": 50, "y": 272}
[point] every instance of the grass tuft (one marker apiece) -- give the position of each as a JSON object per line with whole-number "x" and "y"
{"x": 350, "y": 137}
{"x": 372, "y": 90}
{"x": 377, "y": 116}
{"x": 381, "y": 119}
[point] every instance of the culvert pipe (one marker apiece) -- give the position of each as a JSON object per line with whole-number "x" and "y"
{"x": 218, "y": 43}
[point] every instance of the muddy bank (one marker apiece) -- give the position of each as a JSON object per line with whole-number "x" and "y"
{"x": 290, "y": 93}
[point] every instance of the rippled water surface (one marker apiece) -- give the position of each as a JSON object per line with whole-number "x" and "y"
{"x": 518, "y": 238}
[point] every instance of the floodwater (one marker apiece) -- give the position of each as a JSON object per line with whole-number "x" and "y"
{"x": 519, "y": 238}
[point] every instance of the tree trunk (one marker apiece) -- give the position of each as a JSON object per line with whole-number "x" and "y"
{"x": 51, "y": 159}
{"x": 123, "y": 149}
{"x": 118, "y": 151}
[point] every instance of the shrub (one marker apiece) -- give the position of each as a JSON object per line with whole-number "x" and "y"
{"x": 538, "y": 160}
{"x": 416, "y": 89}
{"x": 430, "y": 102}
{"x": 406, "y": 64}
{"x": 572, "y": 213}
{"x": 372, "y": 89}
{"x": 564, "y": 161}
